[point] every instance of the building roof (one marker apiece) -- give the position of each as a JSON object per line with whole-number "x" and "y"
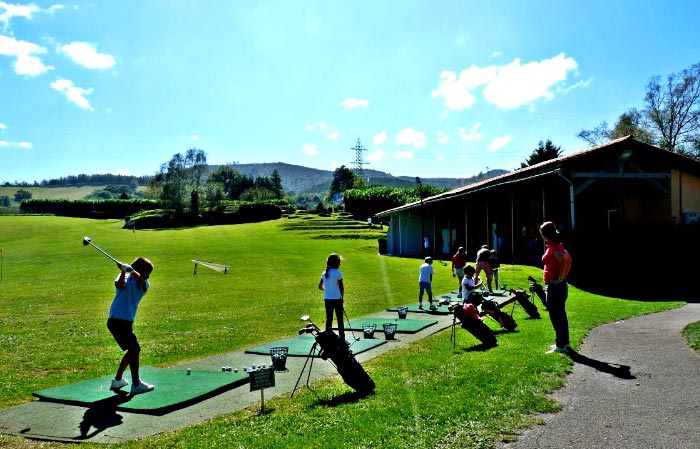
{"x": 609, "y": 152}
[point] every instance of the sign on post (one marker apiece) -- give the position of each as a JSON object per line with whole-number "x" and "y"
{"x": 259, "y": 380}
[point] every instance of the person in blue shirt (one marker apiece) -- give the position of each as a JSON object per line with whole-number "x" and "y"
{"x": 131, "y": 284}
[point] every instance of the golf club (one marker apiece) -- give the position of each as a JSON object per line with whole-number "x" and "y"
{"x": 87, "y": 241}
{"x": 349, "y": 326}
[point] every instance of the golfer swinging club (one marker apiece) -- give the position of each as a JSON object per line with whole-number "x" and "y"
{"x": 131, "y": 287}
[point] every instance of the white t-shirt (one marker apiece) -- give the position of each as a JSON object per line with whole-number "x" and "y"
{"x": 467, "y": 286}
{"x": 331, "y": 290}
{"x": 426, "y": 272}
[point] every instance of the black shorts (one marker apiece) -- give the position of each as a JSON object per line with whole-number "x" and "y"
{"x": 123, "y": 333}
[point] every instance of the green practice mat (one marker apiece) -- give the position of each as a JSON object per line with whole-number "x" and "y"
{"x": 406, "y": 326}
{"x": 174, "y": 389}
{"x": 502, "y": 297}
{"x": 300, "y": 346}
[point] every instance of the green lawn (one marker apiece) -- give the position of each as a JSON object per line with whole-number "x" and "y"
{"x": 55, "y": 293}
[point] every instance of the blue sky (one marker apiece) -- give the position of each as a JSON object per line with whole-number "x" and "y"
{"x": 432, "y": 88}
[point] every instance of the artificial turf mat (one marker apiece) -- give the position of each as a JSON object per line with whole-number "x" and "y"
{"x": 406, "y": 326}
{"x": 300, "y": 346}
{"x": 174, "y": 389}
{"x": 502, "y": 297}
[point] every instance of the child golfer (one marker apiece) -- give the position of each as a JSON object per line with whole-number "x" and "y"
{"x": 425, "y": 282}
{"x": 132, "y": 283}
{"x": 333, "y": 291}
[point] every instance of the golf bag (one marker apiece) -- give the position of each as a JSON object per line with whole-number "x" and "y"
{"x": 524, "y": 300}
{"x": 471, "y": 322}
{"x": 490, "y": 307}
{"x": 537, "y": 289}
{"x": 348, "y": 367}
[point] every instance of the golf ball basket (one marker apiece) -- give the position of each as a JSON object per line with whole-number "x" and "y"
{"x": 338, "y": 352}
{"x": 278, "y": 355}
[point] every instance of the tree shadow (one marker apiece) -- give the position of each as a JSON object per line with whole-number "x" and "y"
{"x": 620, "y": 371}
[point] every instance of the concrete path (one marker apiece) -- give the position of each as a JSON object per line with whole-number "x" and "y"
{"x": 58, "y": 422}
{"x": 635, "y": 384}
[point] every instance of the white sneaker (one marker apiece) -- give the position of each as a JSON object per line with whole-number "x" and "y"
{"x": 117, "y": 384}
{"x": 556, "y": 349}
{"x": 142, "y": 387}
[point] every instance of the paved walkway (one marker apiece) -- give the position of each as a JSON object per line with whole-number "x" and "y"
{"x": 635, "y": 384}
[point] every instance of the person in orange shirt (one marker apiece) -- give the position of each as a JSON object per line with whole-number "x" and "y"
{"x": 557, "y": 264}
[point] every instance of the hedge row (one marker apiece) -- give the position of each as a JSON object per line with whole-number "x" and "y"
{"x": 112, "y": 208}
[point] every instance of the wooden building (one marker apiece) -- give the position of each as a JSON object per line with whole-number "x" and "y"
{"x": 619, "y": 196}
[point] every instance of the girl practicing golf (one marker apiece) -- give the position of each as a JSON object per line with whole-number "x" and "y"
{"x": 333, "y": 291}
{"x": 132, "y": 283}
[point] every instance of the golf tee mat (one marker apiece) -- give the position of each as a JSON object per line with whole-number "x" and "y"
{"x": 502, "y": 297}
{"x": 403, "y": 326}
{"x": 300, "y": 346}
{"x": 174, "y": 389}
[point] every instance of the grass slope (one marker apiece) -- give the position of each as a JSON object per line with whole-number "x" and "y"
{"x": 55, "y": 294}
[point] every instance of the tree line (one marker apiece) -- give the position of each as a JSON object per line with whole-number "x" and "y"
{"x": 669, "y": 119}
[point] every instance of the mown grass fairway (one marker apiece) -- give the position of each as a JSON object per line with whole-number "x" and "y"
{"x": 55, "y": 294}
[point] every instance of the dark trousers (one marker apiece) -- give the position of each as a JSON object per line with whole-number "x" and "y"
{"x": 335, "y": 306}
{"x": 556, "y": 306}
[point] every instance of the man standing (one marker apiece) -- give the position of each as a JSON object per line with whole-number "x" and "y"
{"x": 459, "y": 260}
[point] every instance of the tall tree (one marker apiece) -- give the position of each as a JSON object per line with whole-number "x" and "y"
{"x": 673, "y": 110}
{"x": 544, "y": 152}
{"x": 196, "y": 167}
{"x": 180, "y": 175}
{"x": 343, "y": 179}
{"x": 276, "y": 180}
{"x": 629, "y": 123}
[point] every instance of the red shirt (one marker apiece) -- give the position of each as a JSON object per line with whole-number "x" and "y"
{"x": 459, "y": 260}
{"x": 553, "y": 268}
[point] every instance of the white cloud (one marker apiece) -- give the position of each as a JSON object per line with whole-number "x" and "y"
{"x": 86, "y": 55}
{"x": 27, "y": 63}
{"x": 123, "y": 172}
{"x": 410, "y": 136}
{"x": 495, "y": 54}
{"x": 403, "y": 155}
{"x": 498, "y": 143}
{"x": 333, "y": 135}
{"x": 309, "y": 149}
{"x": 9, "y": 10}
{"x": 442, "y": 138}
{"x": 376, "y": 155}
{"x": 321, "y": 126}
{"x": 22, "y": 145}
{"x": 3, "y": 126}
{"x": 194, "y": 137}
{"x": 352, "y": 103}
{"x": 473, "y": 133}
{"x": 508, "y": 86}
{"x": 74, "y": 93}
{"x": 379, "y": 139}
{"x": 516, "y": 84}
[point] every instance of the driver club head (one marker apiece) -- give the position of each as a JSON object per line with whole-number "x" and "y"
{"x": 86, "y": 240}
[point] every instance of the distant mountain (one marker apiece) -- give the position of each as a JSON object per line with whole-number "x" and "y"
{"x": 299, "y": 179}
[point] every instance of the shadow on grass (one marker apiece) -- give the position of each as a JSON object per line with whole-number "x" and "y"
{"x": 349, "y": 397}
{"x": 620, "y": 371}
